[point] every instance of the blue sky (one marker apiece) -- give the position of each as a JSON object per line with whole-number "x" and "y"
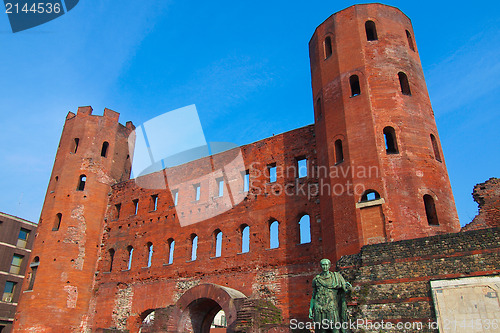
{"x": 244, "y": 64}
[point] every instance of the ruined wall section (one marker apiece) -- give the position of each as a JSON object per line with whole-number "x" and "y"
{"x": 487, "y": 196}
{"x": 278, "y": 275}
{"x": 92, "y": 156}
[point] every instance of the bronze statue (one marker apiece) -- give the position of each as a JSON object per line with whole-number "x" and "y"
{"x": 328, "y": 304}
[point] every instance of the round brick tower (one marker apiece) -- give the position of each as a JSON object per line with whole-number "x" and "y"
{"x": 92, "y": 156}
{"x": 382, "y": 171}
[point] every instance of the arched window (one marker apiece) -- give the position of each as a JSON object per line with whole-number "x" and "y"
{"x": 130, "y": 250}
{"x": 274, "y": 237}
{"x": 171, "y": 248}
{"x": 111, "y": 258}
{"x": 391, "y": 144}
{"x": 328, "y": 47}
{"x": 371, "y": 30}
{"x": 370, "y": 195}
{"x": 57, "y": 222}
{"x": 430, "y": 210}
{"x": 150, "y": 253}
{"x": 81, "y": 183}
{"x": 355, "y": 87}
{"x": 218, "y": 242}
{"x": 339, "y": 152}
{"x": 410, "y": 41}
{"x": 403, "y": 82}
{"x": 305, "y": 229}
{"x": 194, "y": 246}
{"x": 76, "y": 142}
{"x": 104, "y": 149}
{"x": 34, "y": 266}
{"x": 245, "y": 238}
{"x": 435, "y": 148}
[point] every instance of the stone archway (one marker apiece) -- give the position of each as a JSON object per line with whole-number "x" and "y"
{"x": 196, "y": 309}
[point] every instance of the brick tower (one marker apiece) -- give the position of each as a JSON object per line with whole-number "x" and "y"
{"x": 382, "y": 171}
{"x": 92, "y": 156}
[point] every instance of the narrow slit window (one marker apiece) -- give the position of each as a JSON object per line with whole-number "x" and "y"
{"x": 136, "y": 206}
{"x": 305, "y": 229}
{"x": 271, "y": 168}
{"x": 218, "y": 243}
{"x": 118, "y": 208}
{"x": 81, "y": 183}
{"x": 245, "y": 238}
{"x": 130, "y": 250}
{"x": 111, "y": 259}
{"x": 339, "y": 152}
{"x": 246, "y": 181}
{"x": 318, "y": 107}
{"x": 104, "y": 149}
{"x": 405, "y": 85}
{"x": 57, "y": 222}
{"x": 430, "y": 210}
{"x": 150, "y": 253}
{"x": 328, "y": 47}
{"x": 410, "y": 40}
{"x": 8, "y": 292}
{"x": 274, "y": 240}
{"x": 391, "y": 145}
{"x": 301, "y": 167}
{"x": 154, "y": 202}
{"x": 355, "y": 87}
{"x": 371, "y": 31}
{"x": 34, "y": 267}
{"x": 435, "y": 148}
{"x": 76, "y": 142}
{"x": 171, "y": 248}
{"x": 194, "y": 246}
{"x": 197, "y": 192}
{"x": 175, "y": 195}
{"x": 220, "y": 187}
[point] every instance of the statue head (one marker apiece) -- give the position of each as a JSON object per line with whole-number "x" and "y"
{"x": 325, "y": 265}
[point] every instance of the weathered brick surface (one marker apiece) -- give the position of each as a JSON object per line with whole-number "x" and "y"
{"x": 487, "y": 196}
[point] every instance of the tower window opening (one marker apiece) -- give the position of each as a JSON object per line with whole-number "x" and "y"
{"x": 150, "y": 253}
{"x": 339, "y": 152}
{"x": 274, "y": 239}
{"x": 271, "y": 168}
{"x": 171, "y": 248}
{"x": 220, "y": 186}
{"x": 154, "y": 202}
{"x": 81, "y": 183}
{"x": 218, "y": 243}
{"x": 76, "y": 142}
{"x": 118, "y": 208}
{"x": 430, "y": 210}
{"x": 305, "y": 229}
{"x": 246, "y": 180}
{"x": 405, "y": 85}
{"x": 130, "y": 250}
{"x": 301, "y": 167}
{"x": 245, "y": 238}
{"x": 111, "y": 258}
{"x": 370, "y": 195}
{"x": 136, "y": 206}
{"x": 371, "y": 31}
{"x": 57, "y": 222}
{"x": 34, "y": 267}
{"x": 197, "y": 192}
{"x": 391, "y": 145}
{"x": 328, "y": 47}
{"x": 410, "y": 40}
{"x": 435, "y": 148}
{"x": 175, "y": 195}
{"x": 104, "y": 149}
{"x": 355, "y": 87}
{"x": 318, "y": 108}
{"x": 194, "y": 247}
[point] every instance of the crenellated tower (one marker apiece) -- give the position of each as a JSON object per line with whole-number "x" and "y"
{"x": 93, "y": 154}
{"x": 382, "y": 171}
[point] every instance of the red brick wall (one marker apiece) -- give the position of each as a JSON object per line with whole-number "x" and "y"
{"x": 487, "y": 196}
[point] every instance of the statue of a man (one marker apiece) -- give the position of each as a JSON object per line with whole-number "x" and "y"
{"x": 328, "y": 304}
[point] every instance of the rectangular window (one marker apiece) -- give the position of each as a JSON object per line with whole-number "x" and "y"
{"x": 15, "y": 266}
{"x": 220, "y": 186}
{"x": 154, "y": 202}
{"x": 197, "y": 191}
{"x": 301, "y": 167}
{"x": 175, "y": 195}
{"x": 22, "y": 239}
{"x": 136, "y": 206}
{"x": 271, "y": 168}
{"x": 118, "y": 208}
{"x": 8, "y": 292}
{"x": 246, "y": 181}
